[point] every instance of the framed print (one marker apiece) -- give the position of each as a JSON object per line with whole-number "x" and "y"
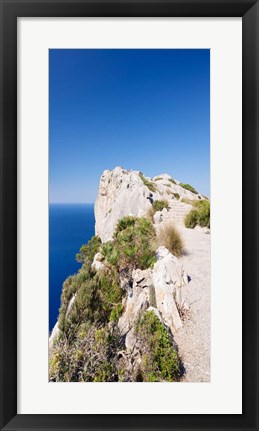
{"x": 129, "y": 215}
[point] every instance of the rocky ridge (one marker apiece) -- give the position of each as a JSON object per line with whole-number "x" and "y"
{"x": 123, "y": 192}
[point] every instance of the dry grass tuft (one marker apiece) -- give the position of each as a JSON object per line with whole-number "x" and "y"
{"x": 169, "y": 237}
{"x": 150, "y": 214}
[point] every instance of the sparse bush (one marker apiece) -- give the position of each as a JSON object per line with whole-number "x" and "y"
{"x": 169, "y": 237}
{"x": 160, "y": 361}
{"x": 160, "y": 205}
{"x": 172, "y": 181}
{"x": 92, "y": 357}
{"x": 176, "y": 195}
{"x": 200, "y": 215}
{"x": 152, "y": 297}
{"x": 116, "y": 312}
{"x": 158, "y": 178}
{"x": 188, "y": 187}
{"x": 151, "y": 186}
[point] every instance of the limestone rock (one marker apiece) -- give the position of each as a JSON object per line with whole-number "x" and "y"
{"x": 121, "y": 193}
{"x": 168, "y": 275}
{"x": 157, "y": 217}
{"x": 98, "y": 262}
{"x": 136, "y": 302}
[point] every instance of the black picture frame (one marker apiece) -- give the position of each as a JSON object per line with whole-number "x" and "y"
{"x": 10, "y": 11}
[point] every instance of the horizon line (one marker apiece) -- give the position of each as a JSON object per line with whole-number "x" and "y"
{"x": 71, "y": 203}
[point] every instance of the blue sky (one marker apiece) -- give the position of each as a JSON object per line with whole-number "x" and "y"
{"x": 146, "y": 110}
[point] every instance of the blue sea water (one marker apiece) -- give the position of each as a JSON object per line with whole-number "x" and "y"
{"x": 70, "y": 226}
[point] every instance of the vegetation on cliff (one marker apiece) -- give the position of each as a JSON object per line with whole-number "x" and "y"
{"x": 89, "y": 342}
{"x": 188, "y": 187}
{"x": 160, "y": 361}
{"x": 199, "y": 215}
{"x": 150, "y": 185}
{"x": 133, "y": 245}
{"x": 159, "y": 205}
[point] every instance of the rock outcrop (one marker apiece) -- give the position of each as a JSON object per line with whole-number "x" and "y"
{"x": 157, "y": 288}
{"x": 123, "y": 192}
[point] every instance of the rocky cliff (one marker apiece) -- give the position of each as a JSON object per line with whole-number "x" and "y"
{"x": 123, "y": 192}
{"x": 129, "y": 288}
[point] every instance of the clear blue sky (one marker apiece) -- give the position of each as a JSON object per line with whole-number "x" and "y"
{"x": 146, "y": 110}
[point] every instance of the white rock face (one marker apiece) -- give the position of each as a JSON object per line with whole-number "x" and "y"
{"x": 55, "y": 332}
{"x": 138, "y": 300}
{"x": 98, "y": 262}
{"x": 168, "y": 277}
{"x": 122, "y": 192}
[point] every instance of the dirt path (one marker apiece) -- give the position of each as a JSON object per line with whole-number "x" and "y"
{"x": 193, "y": 338}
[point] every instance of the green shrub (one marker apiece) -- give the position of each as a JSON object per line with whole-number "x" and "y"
{"x": 170, "y": 238}
{"x": 110, "y": 291}
{"x": 71, "y": 286}
{"x": 176, "y": 195}
{"x": 200, "y": 215}
{"x": 191, "y": 219}
{"x": 160, "y": 205}
{"x": 160, "y": 361}
{"x": 188, "y": 187}
{"x": 151, "y": 186}
{"x": 158, "y": 178}
{"x": 116, "y": 313}
{"x": 133, "y": 245}
{"x": 110, "y": 253}
{"x": 88, "y": 251}
{"x": 96, "y": 299}
{"x": 124, "y": 223}
{"x": 201, "y": 204}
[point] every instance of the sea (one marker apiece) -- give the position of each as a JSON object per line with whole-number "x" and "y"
{"x": 70, "y": 226}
